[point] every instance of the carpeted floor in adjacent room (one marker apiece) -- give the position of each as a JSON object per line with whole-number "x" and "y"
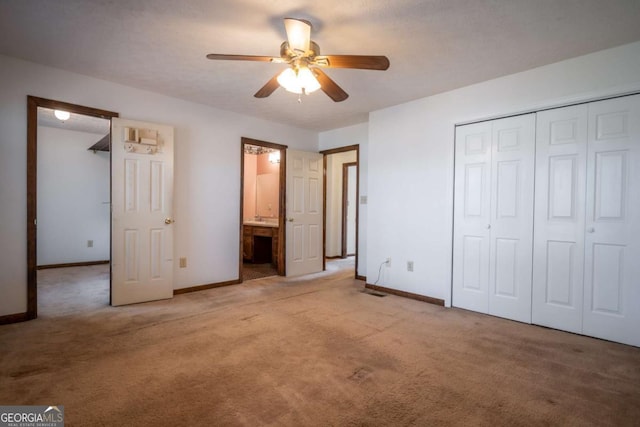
{"x": 304, "y": 351}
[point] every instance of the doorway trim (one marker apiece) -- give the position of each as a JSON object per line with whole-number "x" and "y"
{"x": 326, "y": 153}
{"x": 345, "y": 207}
{"x": 281, "y": 202}
{"x": 32, "y": 185}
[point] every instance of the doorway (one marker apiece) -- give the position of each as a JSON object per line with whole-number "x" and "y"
{"x": 341, "y": 204}
{"x": 349, "y": 206}
{"x": 41, "y": 120}
{"x": 262, "y": 209}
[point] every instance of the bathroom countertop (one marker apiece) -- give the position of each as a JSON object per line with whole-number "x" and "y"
{"x": 261, "y": 223}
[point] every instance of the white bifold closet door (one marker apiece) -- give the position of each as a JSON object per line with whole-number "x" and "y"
{"x": 612, "y": 240}
{"x": 558, "y": 254}
{"x": 493, "y": 217}
{"x": 587, "y": 238}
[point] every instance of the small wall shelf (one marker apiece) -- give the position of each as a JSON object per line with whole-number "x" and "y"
{"x": 141, "y": 141}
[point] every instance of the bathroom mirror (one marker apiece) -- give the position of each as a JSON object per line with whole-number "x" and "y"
{"x": 267, "y": 190}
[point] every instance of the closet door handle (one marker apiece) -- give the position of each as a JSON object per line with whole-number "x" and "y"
{"x": 488, "y": 226}
{"x": 591, "y": 230}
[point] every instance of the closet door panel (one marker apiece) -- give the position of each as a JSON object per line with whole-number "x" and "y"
{"x": 512, "y": 186}
{"x": 558, "y": 252}
{"x": 471, "y": 217}
{"x": 612, "y": 239}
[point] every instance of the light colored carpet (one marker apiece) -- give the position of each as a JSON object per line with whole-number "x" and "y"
{"x": 309, "y": 351}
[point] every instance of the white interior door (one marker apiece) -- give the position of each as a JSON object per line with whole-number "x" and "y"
{"x": 142, "y": 211}
{"x": 352, "y": 172}
{"x": 304, "y": 213}
{"x": 512, "y": 181}
{"x": 558, "y": 254}
{"x": 493, "y": 217}
{"x": 612, "y": 240}
{"x": 472, "y": 217}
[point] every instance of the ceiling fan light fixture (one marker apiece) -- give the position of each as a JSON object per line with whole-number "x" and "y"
{"x": 305, "y": 73}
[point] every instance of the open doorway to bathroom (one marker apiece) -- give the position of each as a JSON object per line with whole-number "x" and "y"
{"x": 262, "y": 210}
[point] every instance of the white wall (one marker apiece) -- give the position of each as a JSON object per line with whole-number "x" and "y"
{"x": 73, "y": 197}
{"x": 334, "y": 200}
{"x": 249, "y": 196}
{"x": 207, "y": 169}
{"x": 410, "y": 160}
{"x": 343, "y": 137}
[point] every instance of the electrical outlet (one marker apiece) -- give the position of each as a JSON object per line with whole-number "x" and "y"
{"x": 89, "y": 243}
{"x": 388, "y": 262}
{"x": 183, "y": 262}
{"x": 409, "y": 265}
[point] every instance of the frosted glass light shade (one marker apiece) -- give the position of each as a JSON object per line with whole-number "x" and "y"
{"x": 296, "y": 82}
{"x": 61, "y": 115}
{"x": 298, "y": 34}
{"x": 307, "y": 80}
{"x": 289, "y": 80}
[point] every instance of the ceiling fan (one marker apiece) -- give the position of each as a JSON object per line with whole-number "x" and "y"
{"x": 305, "y": 74}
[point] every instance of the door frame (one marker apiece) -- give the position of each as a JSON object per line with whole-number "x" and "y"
{"x": 33, "y": 103}
{"x": 282, "y": 243}
{"x": 345, "y": 207}
{"x": 326, "y": 153}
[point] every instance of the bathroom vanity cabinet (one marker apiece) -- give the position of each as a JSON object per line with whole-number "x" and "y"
{"x": 260, "y": 244}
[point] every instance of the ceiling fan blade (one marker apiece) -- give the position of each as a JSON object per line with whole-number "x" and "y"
{"x": 268, "y": 88}
{"x": 330, "y": 87}
{"x": 363, "y": 62}
{"x": 242, "y": 57}
{"x": 298, "y": 34}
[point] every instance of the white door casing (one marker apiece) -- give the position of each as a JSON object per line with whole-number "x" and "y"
{"x": 142, "y": 212}
{"x": 472, "y": 217}
{"x": 304, "y": 212}
{"x": 612, "y": 238}
{"x": 558, "y": 260}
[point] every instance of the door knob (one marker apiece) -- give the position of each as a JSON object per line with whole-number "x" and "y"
{"x": 290, "y": 219}
{"x": 488, "y": 226}
{"x": 591, "y": 230}
{"x": 169, "y": 221}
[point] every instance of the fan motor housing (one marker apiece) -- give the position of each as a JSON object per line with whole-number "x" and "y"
{"x": 289, "y": 54}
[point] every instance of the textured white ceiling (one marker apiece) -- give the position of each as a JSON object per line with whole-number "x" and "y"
{"x": 433, "y": 45}
{"x": 75, "y": 122}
